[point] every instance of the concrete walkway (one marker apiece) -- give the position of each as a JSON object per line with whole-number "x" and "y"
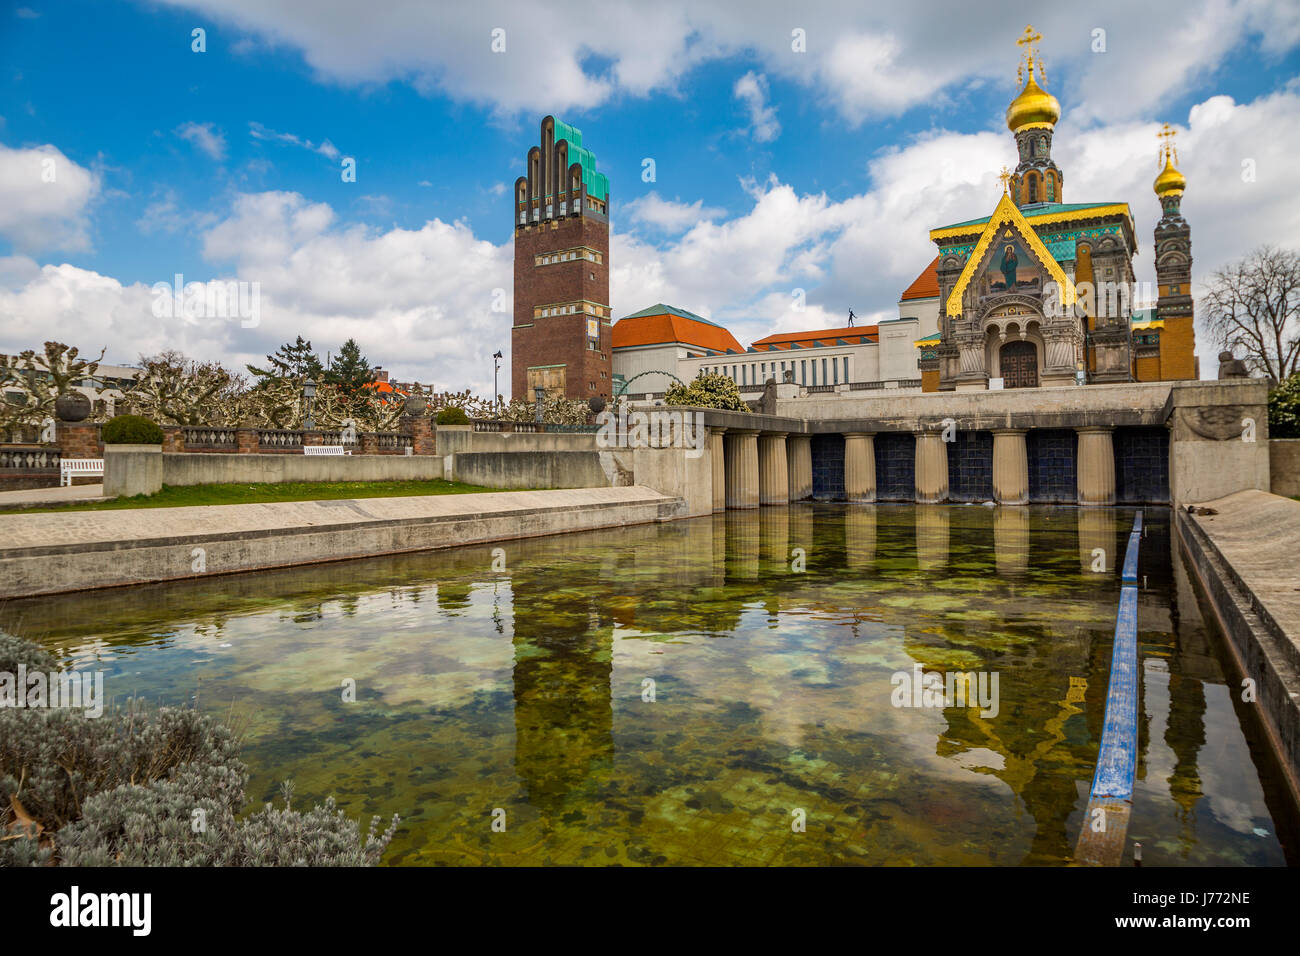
{"x": 1258, "y": 534}
{"x": 79, "y": 550}
{"x": 35, "y": 497}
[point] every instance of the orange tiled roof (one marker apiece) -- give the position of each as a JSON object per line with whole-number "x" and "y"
{"x": 665, "y": 327}
{"x": 926, "y": 285}
{"x": 809, "y": 339}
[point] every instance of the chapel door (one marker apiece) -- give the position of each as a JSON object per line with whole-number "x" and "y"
{"x": 1019, "y": 363}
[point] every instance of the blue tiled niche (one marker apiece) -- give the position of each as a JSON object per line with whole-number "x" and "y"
{"x": 970, "y": 467}
{"x": 895, "y": 466}
{"x": 1141, "y": 465}
{"x": 828, "y": 467}
{"x": 1053, "y": 455}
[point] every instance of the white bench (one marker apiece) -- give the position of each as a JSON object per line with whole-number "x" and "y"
{"x": 70, "y": 468}
{"x": 324, "y": 450}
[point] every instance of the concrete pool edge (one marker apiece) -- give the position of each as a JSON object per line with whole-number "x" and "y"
{"x": 1231, "y": 563}
{"x": 104, "y": 549}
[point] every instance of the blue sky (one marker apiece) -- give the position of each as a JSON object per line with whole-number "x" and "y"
{"x": 776, "y": 169}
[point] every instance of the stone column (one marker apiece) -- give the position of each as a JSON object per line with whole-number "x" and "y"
{"x": 1096, "y": 467}
{"x": 774, "y": 539}
{"x": 860, "y": 537}
{"x": 743, "y": 534}
{"x": 932, "y": 537}
{"x": 773, "y": 470}
{"x": 931, "y": 467}
{"x": 801, "y": 526}
{"x": 368, "y": 443}
{"x": 742, "y": 469}
{"x": 1099, "y": 542}
{"x": 798, "y": 451}
{"x": 860, "y": 466}
{"x": 1011, "y": 541}
{"x": 1010, "y": 467}
{"x": 717, "y": 459}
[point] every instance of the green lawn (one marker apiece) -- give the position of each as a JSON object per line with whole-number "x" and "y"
{"x": 185, "y": 496}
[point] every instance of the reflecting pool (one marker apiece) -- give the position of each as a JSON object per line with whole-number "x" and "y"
{"x": 688, "y": 692}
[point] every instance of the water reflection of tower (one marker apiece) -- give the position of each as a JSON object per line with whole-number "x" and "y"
{"x": 563, "y": 662}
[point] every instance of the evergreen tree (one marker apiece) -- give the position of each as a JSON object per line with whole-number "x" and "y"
{"x": 350, "y": 371}
{"x": 291, "y": 360}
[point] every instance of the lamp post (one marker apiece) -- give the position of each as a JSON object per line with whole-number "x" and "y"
{"x": 496, "y": 401}
{"x": 308, "y": 393}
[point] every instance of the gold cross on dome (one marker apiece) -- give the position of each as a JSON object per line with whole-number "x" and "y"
{"x": 1167, "y": 134}
{"x": 1005, "y": 177}
{"x": 1028, "y": 39}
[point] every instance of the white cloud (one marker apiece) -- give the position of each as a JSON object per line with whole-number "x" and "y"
{"x": 668, "y": 215}
{"x": 866, "y": 60}
{"x": 45, "y": 199}
{"x": 205, "y": 137}
{"x": 751, "y": 90}
{"x": 165, "y": 214}
{"x": 420, "y": 302}
{"x": 325, "y": 147}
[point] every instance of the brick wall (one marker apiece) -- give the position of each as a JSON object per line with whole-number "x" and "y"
{"x": 79, "y": 440}
{"x": 562, "y": 339}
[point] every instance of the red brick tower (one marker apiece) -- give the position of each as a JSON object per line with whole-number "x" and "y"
{"x": 561, "y": 338}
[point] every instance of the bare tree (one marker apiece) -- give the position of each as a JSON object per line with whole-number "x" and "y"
{"x": 1253, "y": 306}
{"x": 175, "y": 390}
{"x": 37, "y": 380}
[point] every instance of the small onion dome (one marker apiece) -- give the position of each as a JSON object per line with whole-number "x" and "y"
{"x": 1034, "y": 108}
{"x": 1170, "y": 182}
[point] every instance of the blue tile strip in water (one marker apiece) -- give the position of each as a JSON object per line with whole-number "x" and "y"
{"x": 1117, "y": 757}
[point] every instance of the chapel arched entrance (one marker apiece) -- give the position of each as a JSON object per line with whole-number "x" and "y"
{"x": 1018, "y": 362}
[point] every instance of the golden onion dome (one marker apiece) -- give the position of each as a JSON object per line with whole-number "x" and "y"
{"x": 1034, "y": 108}
{"x": 1170, "y": 181}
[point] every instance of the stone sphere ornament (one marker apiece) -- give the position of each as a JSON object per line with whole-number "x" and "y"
{"x": 596, "y": 404}
{"x": 72, "y": 407}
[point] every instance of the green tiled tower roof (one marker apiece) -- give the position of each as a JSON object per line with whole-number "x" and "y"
{"x": 597, "y": 183}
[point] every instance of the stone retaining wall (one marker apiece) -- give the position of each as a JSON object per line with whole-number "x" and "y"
{"x": 53, "y": 553}
{"x": 1243, "y": 558}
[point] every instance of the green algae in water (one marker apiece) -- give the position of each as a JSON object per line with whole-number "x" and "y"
{"x": 528, "y": 690}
